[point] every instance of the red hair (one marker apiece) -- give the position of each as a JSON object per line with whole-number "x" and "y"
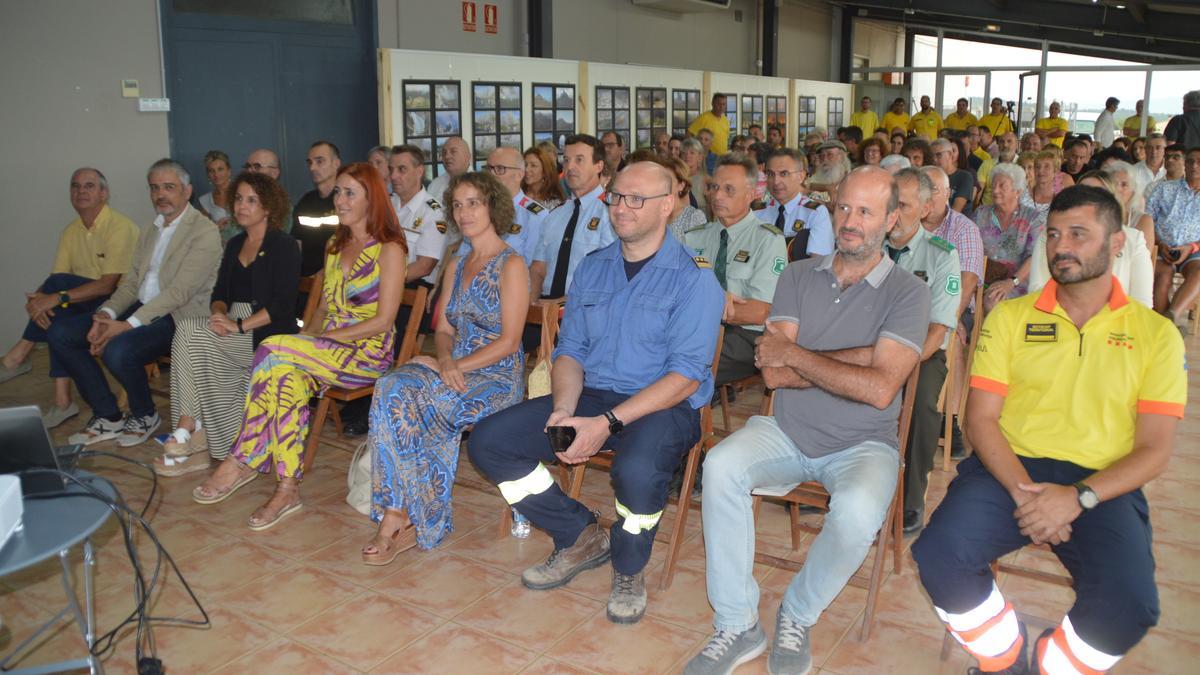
{"x": 382, "y": 224}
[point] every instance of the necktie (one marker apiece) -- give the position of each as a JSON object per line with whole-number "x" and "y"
{"x": 780, "y": 221}
{"x": 722, "y": 252}
{"x": 558, "y": 287}
{"x": 894, "y": 253}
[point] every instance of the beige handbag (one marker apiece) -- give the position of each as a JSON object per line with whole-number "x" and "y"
{"x": 538, "y": 383}
{"x": 358, "y": 480}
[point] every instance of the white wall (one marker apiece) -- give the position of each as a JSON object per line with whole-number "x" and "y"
{"x": 881, "y": 43}
{"x": 804, "y": 39}
{"x": 617, "y": 31}
{"x": 437, "y": 25}
{"x": 62, "y": 110}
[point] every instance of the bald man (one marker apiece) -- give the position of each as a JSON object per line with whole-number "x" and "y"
{"x": 456, "y": 160}
{"x": 508, "y": 166}
{"x": 843, "y": 334}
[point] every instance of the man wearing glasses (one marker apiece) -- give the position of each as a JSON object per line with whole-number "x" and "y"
{"x": 266, "y": 162}
{"x": 747, "y": 257}
{"x": 631, "y": 371}
{"x": 508, "y": 166}
{"x": 791, "y": 211}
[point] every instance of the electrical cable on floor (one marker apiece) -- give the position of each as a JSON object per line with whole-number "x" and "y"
{"x": 130, "y": 521}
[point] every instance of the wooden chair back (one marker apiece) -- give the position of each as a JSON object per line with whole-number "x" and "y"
{"x": 314, "y": 287}
{"x": 415, "y": 298}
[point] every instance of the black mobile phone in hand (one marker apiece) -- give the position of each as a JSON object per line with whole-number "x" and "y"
{"x": 561, "y": 438}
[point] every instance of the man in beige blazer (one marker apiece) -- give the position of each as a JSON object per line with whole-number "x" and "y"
{"x": 174, "y": 268}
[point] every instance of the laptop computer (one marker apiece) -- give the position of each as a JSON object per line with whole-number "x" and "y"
{"x": 25, "y": 444}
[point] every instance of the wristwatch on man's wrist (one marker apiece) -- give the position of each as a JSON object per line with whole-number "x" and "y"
{"x": 1088, "y": 499}
{"x": 614, "y": 425}
{"x": 64, "y": 299}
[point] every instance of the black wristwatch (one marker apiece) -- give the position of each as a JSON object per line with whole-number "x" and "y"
{"x": 614, "y": 425}
{"x": 1088, "y": 499}
{"x": 64, "y": 300}
{"x": 240, "y": 329}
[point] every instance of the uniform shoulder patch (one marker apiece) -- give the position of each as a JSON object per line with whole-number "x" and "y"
{"x": 534, "y": 207}
{"x": 938, "y": 242}
{"x": 515, "y": 228}
{"x": 434, "y": 204}
{"x": 702, "y": 262}
{"x": 697, "y": 228}
{"x": 771, "y": 228}
{"x": 757, "y": 205}
{"x": 441, "y": 226}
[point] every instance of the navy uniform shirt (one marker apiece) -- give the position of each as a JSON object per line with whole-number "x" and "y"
{"x": 526, "y": 231}
{"x": 802, "y": 213}
{"x": 592, "y": 231}
{"x": 628, "y": 334}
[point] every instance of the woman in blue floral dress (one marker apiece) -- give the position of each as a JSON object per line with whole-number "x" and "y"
{"x": 420, "y": 409}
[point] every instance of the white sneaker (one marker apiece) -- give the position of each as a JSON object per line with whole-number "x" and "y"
{"x": 97, "y": 430}
{"x": 138, "y": 430}
{"x": 56, "y": 415}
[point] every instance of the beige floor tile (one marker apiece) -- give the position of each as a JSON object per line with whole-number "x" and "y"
{"x": 458, "y": 649}
{"x": 649, "y": 646}
{"x": 548, "y": 666}
{"x": 365, "y": 630}
{"x": 444, "y": 584}
{"x": 287, "y": 598}
{"x": 488, "y": 546}
{"x": 530, "y": 619}
{"x": 285, "y": 657}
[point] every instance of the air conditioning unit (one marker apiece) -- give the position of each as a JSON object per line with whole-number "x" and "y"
{"x": 684, "y": 6}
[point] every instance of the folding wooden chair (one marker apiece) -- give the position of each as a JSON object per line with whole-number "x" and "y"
{"x": 813, "y": 494}
{"x": 683, "y": 504}
{"x": 736, "y": 385}
{"x": 414, "y": 298}
{"x": 963, "y": 387}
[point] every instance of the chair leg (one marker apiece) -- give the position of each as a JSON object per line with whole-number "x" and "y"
{"x": 757, "y": 504}
{"x": 314, "y": 433}
{"x": 947, "y": 439}
{"x": 683, "y": 507}
{"x": 897, "y": 521}
{"x": 794, "y": 514}
{"x": 506, "y": 522}
{"x": 724, "y": 389}
{"x": 881, "y": 542}
{"x": 337, "y": 420}
{"x": 576, "y": 487}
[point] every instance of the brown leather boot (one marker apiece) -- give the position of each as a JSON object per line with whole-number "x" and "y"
{"x": 589, "y": 550}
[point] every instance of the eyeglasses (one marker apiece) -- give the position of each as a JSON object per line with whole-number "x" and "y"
{"x": 501, "y": 169}
{"x": 632, "y": 201}
{"x": 781, "y": 174}
{"x": 257, "y": 167}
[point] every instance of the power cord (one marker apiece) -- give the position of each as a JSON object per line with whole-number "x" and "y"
{"x": 130, "y": 521}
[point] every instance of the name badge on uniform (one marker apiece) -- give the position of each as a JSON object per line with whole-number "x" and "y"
{"x": 593, "y": 223}
{"x": 1041, "y": 332}
{"x": 798, "y": 225}
{"x": 742, "y": 256}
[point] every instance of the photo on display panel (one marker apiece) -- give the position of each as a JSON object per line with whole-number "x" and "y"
{"x": 658, "y": 118}
{"x": 543, "y": 97}
{"x": 621, "y": 98}
{"x": 643, "y": 138}
{"x": 604, "y": 98}
{"x": 445, "y": 96}
{"x": 511, "y": 140}
{"x": 510, "y": 96}
{"x": 621, "y": 119}
{"x": 425, "y": 144}
{"x": 643, "y": 98}
{"x": 604, "y": 120}
{"x": 564, "y": 120}
{"x": 679, "y": 119}
{"x": 416, "y": 123}
{"x": 543, "y": 120}
{"x": 485, "y": 121}
{"x": 448, "y": 123}
{"x": 485, "y": 96}
{"x": 679, "y": 99}
{"x": 510, "y": 121}
{"x": 643, "y": 118}
{"x": 416, "y": 96}
{"x": 484, "y": 145}
{"x": 659, "y": 98}
{"x": 564, "y": 97}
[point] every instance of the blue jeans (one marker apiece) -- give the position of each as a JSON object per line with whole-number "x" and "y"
{"x": 126, "y": 357}
{"x": 57, "y": 283}
{"x": 861, "y": 481}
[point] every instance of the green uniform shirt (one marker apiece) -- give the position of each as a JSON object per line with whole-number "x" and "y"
{"x": 754, "y": 256}
{"x": 934, "y": 261}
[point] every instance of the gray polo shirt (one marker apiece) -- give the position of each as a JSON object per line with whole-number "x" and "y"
{"x": 889, "y": 303}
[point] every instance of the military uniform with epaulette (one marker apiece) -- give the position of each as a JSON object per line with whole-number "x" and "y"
{"x": 747, "y": 257}
{"x": 934, "y": 261}
{"x": 426, "y": 230}
{"x": 526, "y": 229}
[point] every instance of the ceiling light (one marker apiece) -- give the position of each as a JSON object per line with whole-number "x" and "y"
{"x": 992, "y": 28}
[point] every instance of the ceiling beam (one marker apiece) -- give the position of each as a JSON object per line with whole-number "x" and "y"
{"x": 1137, "y": 10}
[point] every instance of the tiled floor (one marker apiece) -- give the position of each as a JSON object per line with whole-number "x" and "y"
{"x": 296, "y": 599}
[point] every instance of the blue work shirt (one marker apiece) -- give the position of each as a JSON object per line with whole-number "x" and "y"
{"x": 628, "y": 334}
{"x": 592, "y": 231}
{"x": 526, "y": 231}
{"x": 802, "y": 213}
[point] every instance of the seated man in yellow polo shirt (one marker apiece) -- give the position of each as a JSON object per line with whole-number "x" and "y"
{"x": 94, "y": 251}
{"x": 1075, "y": 396}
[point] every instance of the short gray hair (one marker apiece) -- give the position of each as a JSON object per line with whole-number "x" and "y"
{"x": 99, "y": 176}
{"x": 1013, "y": 173}
{"x": 381, "y": 149}
{"x": 691, "y": 144}
{"x": 1192, "y": 99}
{"x": 940, "y": 143}
{"x": 742, "y": 161}
{"x": 899, "y": 161}
{"x": 924, "y": 185}
{"x": 168, "y": 164}
{"x": 935, "y": 174}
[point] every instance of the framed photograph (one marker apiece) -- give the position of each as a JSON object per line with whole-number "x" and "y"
{"x": 604, "y": 98}
{"x": 445, "y": 96}
{"x": 621, "y": 98}
{"x": 543, "y": 97}
{"x": 510, "y": 121}
{"x": 424, "y": 144}
{"x": 564, "y": 97}
{"x": 604, "y": 121}
{"x": 694, "y": 100}
{"x": 643, "y": 118}
{"x": 485, "y": 96}
{"x": 679, "y": 119}
{"x": 658, "y": 97}
{"x": 448, "y": 123}
{"x": 658, "y": 117}
{"x": 511, "y": 140}
{"x": 484, "y": 145}
{"x": 539, "y": 136}
{"x": 643, "y": 138}
{"x": 543, "y": 120}
{"x": 564, "y": 120}
{"x": 416, "y": 123}
{"x": 620, "y": 119}
{"x": 510, "y": 96}
{"x": 485, "y": 121}
{"x": 416, "y": 96}
{"x": 643, "y": 98}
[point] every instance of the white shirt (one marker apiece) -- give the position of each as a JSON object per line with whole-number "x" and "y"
{"x": 1106, "y": 129}
{"x": 150, "y": 286}
{"x": 437, "y": 188}
{"x": 1146, "y": 177}
{"x": 425, "y": 229}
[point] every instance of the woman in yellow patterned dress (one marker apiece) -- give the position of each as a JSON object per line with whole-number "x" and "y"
{"x": 348, "y": 344}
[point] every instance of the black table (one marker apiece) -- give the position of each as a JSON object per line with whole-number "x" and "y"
{"x": 53, "y": 526}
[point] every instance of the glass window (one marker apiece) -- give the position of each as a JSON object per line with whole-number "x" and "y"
{"x": 835, "y": 111}
{"x": 553, "y": 113}
{"x": 806, "y": 116}
{"x": 685, "y": 108}
{"x": 752, "y": 111}
{"x": 651, "y": 115}
{"x": 612, "y": 112}
{"x": 497, "y": 118}
{"x": 432, "y": 114}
